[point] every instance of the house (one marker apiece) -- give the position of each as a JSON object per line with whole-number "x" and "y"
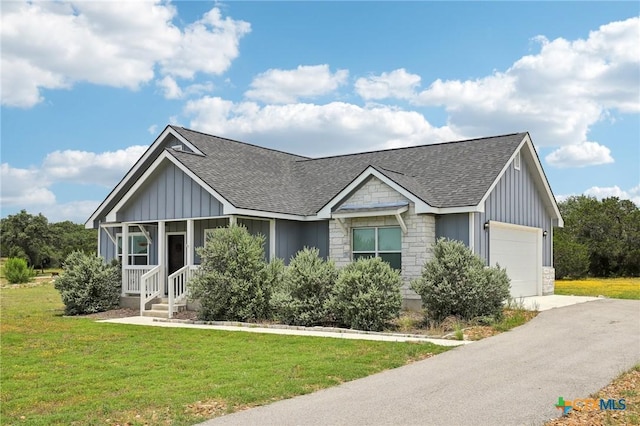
{"x": 490, "y": 193}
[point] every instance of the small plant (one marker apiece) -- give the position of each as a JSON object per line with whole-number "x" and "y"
{"x": 458, "y": 331}
{"x": 456, "y": 283}
{"x": 231, "y": 283}
{"x": 88, "y": 285}
{"x": 302, "y": 297}
{"x": 367, "y": 294}
{"x": 17, "y": 271}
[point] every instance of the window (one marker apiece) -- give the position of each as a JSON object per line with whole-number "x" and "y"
{"x": 385, "y": 243}
{"x": 516, "y": 162}
{"x": 138, "y": 249}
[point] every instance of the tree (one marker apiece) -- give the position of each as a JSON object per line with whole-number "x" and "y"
{"x": 26, "y": 236}
{"x": 68, "y": 237}
{"x": 609, "y": 229}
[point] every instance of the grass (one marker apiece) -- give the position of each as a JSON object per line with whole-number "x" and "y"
{"x": 74, "y": 371}
{"x": 617, "y": 288}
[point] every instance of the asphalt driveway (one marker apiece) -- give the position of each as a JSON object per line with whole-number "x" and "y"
{"x": 514, "y": 378}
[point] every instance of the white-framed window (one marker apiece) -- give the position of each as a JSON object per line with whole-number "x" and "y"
{"x": 383, "y": 242}
{"x": 138, "y": 248}
{"x": 516, "y": 162}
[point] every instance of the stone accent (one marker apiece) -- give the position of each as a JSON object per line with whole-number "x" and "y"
{"x": 416, "y": 243}
{"x": 548, "y": 280}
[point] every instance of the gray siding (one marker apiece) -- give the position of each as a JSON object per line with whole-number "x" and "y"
{"x": 169, "y": 194}
{"x": 453, "y": 226}
{"x": 108, "y": 248}
{"x": 256, "y": 227}
{"x": 199, "y": 227}
{"x": 292, "y": 237}
{"x": 515, "y": 199}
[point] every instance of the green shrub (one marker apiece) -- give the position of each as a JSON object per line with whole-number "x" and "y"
{"x": 88, "y": 285}
{"x": 366, "y": 295}
{"x": 456, "y": 283}
{"x": 16, "y": 271}
{"x": 301, "y": 297}
{"x": 231, "y": 283}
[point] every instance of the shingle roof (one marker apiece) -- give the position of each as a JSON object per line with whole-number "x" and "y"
{"x": 452, "y": 174}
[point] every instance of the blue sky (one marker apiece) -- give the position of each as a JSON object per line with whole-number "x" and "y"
{"x": 87, "y": 86}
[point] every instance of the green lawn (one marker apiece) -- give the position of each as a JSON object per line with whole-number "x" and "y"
{"x": 618, "y": 288}
{"x": 58, "y": 370}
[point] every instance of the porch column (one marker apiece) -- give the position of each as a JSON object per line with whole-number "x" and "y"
{"x": 233, "y": 220}
{"x": 190, "y": 243}
{"x": 162, "y": 256}
{"x": 125, "y": 256}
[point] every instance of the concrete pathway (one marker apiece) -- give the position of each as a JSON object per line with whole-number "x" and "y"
{"x": 544, "y": 303}
{"x": 514, "y": 378}
{"x": 297, "y": 331}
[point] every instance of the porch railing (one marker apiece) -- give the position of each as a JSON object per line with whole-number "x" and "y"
{"x": 178, "y": 289}
{"x": 133, "y": 275}
{"x": 150, "y": 287}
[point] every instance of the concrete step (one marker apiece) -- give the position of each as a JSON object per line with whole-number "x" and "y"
{"x": 156, "y": 314}
{"x": 165, "y": 307}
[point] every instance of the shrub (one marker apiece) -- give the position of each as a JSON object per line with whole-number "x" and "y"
{"x": 456, "y": 283}
{"x": 301, "y": 297}
{"x": 88, "y": 285}
{"x": 16, "y": 271}
{"x": 367, "y": 294}
{"x": 231, "y": 283}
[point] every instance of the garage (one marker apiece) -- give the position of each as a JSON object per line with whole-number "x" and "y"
{"x": 519, "y": 250}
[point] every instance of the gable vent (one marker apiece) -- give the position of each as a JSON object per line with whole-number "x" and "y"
{"x": 177, "y": 147}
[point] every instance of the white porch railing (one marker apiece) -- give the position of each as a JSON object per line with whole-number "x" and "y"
{"x": 133, "y": 275}
{"x": 150, "y": 286}
{"x": 178, "y": 289}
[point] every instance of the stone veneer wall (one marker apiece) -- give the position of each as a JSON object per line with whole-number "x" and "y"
{"x": 416, "y": 243}
{"x": 548, "y": 280}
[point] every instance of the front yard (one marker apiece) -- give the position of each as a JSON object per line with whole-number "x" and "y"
{"x": 60, "y": 370}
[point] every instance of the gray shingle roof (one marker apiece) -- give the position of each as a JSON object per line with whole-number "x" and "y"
{"x": 452, "y": 174}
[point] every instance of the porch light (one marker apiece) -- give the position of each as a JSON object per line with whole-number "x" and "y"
{"x": 544, "y": 234}
{"x": 486, "y": 225}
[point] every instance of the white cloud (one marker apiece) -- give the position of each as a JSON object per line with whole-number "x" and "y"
{"x": 395, "y": 84}
{"x": 287, "y": 86}
{"x": 311, "y": 129}
{"x": 580, "y": 155}
{"x": 556, "y": 94}
{"x": 24, "y": 187}
{"x": 632, "y": 194}
{"x": 153, "y": 129}
{"x": 86, "y": 167}
{"x": 52, "y": 45}
{"x": 170, "y": 88}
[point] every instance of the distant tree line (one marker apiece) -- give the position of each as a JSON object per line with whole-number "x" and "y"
{"x": 43, "y": 244}
{"x": 599, "y": 238}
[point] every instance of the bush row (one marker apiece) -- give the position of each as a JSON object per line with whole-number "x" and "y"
{"x": 234, "y": 283}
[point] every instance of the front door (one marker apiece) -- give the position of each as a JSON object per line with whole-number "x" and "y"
{"x": 175, "y": 253}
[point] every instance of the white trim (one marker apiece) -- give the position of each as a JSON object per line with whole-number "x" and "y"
{"x": 268, "y": 215}
{"x": 147, "y": 154}
{"x": 106, "y": 230}
{"x": 272, "y": 239}
{"x": 374, "y": 213}
{"x": 342, "y": 225}
{"x": 145, "y": 233}
{"x": 112, "y": 215}
{"x": 420, "y": 206}
{"x": 526, "y": 141}
{"x": 516, "y": 161}
{"x": 472, "y": 229}
{"x": 190, "y": 242}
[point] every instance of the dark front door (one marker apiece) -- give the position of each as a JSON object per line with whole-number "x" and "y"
{"x": 175, "y": 251}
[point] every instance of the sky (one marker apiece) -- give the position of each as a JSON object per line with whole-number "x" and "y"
{"x": 88, "y": 86}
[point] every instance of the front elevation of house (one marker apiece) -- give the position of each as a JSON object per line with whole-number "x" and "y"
{"x": 489, "y": 193}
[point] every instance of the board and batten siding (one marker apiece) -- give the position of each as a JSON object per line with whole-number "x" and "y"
{"x": 258, "y": 227}
{"x": 108, "y": 248}
{"x": 292, "y": 236}
{"x": 515, "y": 199}
{"x": 453, "y": 226}
{"x": 169, "y": 194}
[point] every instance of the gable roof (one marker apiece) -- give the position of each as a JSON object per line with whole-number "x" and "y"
{"x": 442, "y": 176}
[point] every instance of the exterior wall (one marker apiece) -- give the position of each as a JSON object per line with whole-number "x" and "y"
{"x": 108, "y": 248}
{"x": 548, "y": 280}
{"x": 198, "y": 228}
{"x": 292, "y": 236}
{"x": 416, "y": 243}
{"x": 515, "y": 199}
{"x": 453, "y": 226}
{"x": 255, "y": 227}
{"x": 169, "y": 194}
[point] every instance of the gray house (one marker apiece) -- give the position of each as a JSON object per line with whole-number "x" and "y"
{"x": 490, "y": 193}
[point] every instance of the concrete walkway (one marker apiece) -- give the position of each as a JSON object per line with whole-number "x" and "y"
{"x": 297, "y": 331}
{"x": 514, "y": 378}
{"x": 544, "y": 303}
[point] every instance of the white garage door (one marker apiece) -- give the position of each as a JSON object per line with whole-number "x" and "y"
{"x": 519, "y": 250}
